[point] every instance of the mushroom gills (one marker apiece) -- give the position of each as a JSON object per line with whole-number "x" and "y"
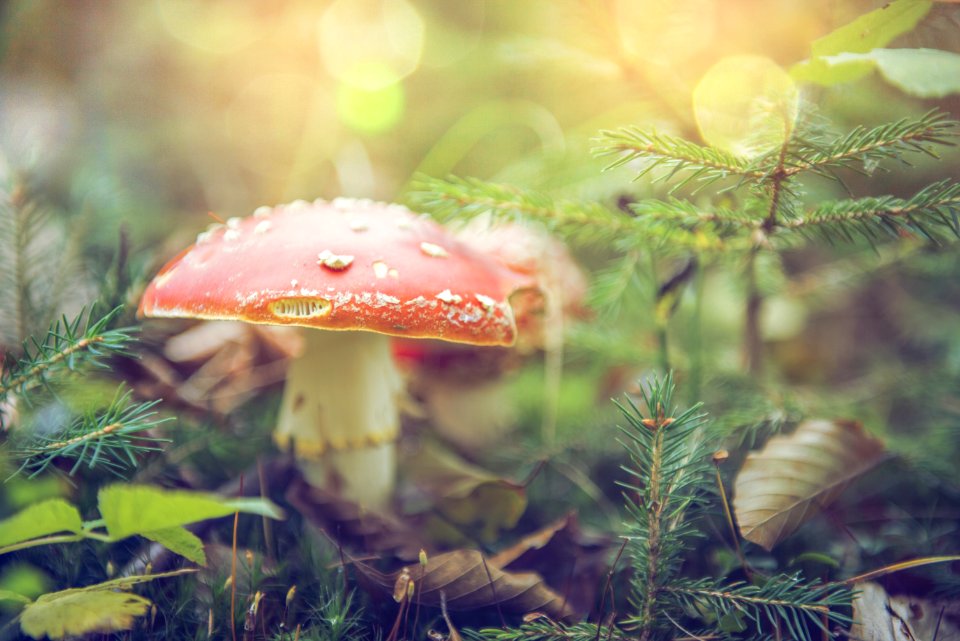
{"x": 300, "y": 307}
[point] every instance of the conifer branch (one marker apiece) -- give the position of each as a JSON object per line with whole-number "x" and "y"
{"x": 543, "y": 629}
{"x": 801, "y": 606}
{"x": 931, "y": 213}
{"x": 112, "y": 439}
{"x": 703, "y": 164}
{"x": 67, "y": 345}
{"x": 887, "y": 141}
{"x": 458, "y": 198}
{"x": 670, "y": 462}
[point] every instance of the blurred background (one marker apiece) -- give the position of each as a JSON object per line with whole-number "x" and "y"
{"x": 153, "y": 113}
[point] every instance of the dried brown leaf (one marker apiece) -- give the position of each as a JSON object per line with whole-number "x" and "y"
{"x": 464, "y": 495}
{"x": 469, "y": 581}
{"x": 569, "y": 560}
{"x": 879, "y": 616}
{"x": 794, "y": 476}
{"x": 353, "y": 526}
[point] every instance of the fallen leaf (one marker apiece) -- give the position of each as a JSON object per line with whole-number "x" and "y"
{"x": 881, "y": 617}
{"x": 463, "y": 495}
{"x": 468, "y": 581}
{"x": 76, "y": 612}
{"x": 103, "y": 607}
{"x": 795, "y": 475}
{"x": 570, "y": 561}
{"x": 353, "y": 526}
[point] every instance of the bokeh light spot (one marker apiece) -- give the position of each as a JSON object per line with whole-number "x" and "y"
{"x": 370, "y": 104}
{"x": 746, "y": 105}
{"x": 357, "y": 33}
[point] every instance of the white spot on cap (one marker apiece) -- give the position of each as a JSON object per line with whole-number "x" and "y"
{"x": 233, "y": 223}
{"x": 393, "y": 273}
{"x": 231, "y": 235}
{"x": 336, "y": 262}
{"x": 294, "y": 283}
{"x": 298, "y": 205}
{"x": 319, "y": 202}
{"x": 448, "y": 297}
{"x": 404, "y": 223}
{"x": 380, "y": 269}
{"x": 383, "y": 299}
{"x": 486, "y": 301}
{"x": 262, "y": 212}
{"x": 343, "y": 203}
{"x": 434, "y": 251}
{"x": 262, "y": 227}
{"x": 359, "y": 225}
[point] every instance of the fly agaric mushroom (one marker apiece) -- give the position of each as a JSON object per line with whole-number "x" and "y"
{"x": 465, "y": 389}
{"x": 344, "y": 265}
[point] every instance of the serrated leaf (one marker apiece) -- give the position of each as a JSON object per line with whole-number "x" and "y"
{"x": 180, "y": 541}
{"x": 81, "y": 611}
{"x": 795, "y": 475}
{"x": 47, "y": 517}
{"x": 138, "y": 509}
{"x": 469, "y": 581}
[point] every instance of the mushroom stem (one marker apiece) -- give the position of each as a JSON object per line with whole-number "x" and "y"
{"x": 340, "y": 409}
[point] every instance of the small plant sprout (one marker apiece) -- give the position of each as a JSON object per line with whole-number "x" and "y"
{"x": 367, "y": 270}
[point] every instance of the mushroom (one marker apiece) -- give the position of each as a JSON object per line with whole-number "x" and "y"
{"x": 464, "y": 389}
{"x": 345, "y": 265}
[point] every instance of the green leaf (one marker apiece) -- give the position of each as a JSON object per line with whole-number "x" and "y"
{"x": 7, "y": 595}
{"x": 925, "y": 73}
{"x": 868, "y": 32}
{"x": 139, "y": 509}
{"x": 47, "y": 517}
{"x": 181, "y": 541}
{"x": 81, "y": 611}
{"x": 874, "y": 29}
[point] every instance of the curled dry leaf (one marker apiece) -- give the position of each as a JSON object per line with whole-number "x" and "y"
{"x": 469, "y": 581}
{"x": 879, "y": 616}
{"x": 794, "y": 476}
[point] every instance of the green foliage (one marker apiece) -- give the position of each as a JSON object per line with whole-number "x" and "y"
{"x": 460, "y": 198}
{"x": 855, "y": 49}
{"x": 86, "y": 340}
{"x": 111, "y": 438}
{"x": 134, "y": 509}
{"x": 103, "y": 607}
{"x": 127, "y": 510}
{"x": 40, "y": 519}
{"x": 925, "y": 73}
{"x": 698, "y": 164}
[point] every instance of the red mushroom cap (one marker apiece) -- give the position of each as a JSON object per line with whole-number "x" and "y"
{"x": 344, "y": 265}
